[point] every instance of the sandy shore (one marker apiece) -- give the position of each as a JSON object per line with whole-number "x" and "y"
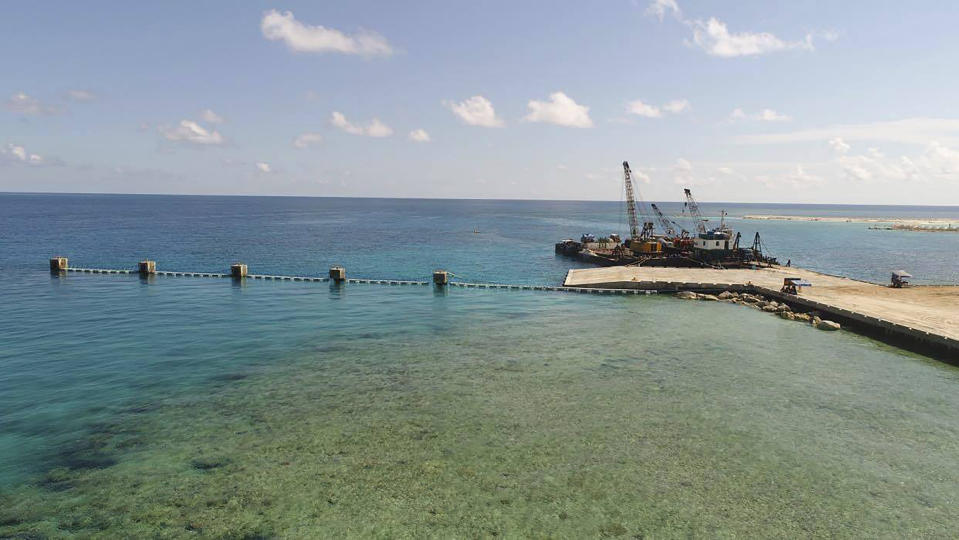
{"x": 940, "y": 223}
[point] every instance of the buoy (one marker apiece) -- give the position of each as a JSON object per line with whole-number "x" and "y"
{"x": 58, "y": 264}
{"x": 238, "y": 271}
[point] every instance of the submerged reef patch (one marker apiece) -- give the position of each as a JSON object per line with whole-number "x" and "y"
{"x": 579, "y": 426}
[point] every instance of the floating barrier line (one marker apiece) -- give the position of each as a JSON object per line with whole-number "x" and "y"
{"x": 365, "y": 281}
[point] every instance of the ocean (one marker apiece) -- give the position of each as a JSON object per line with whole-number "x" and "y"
{"x": 178, "y": 407}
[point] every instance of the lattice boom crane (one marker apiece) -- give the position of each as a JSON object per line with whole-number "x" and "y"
{"x": 664, "y": 221}
{"x": 694, "y": 211}
{"x": 630, "y": 202}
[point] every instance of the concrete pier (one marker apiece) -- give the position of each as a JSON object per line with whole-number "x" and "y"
{"x": 920, "y": 318}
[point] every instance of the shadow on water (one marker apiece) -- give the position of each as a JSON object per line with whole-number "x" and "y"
{"x": 337, "y": 290}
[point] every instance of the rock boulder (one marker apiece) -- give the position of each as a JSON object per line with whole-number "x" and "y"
{"x": 827, "y": 325}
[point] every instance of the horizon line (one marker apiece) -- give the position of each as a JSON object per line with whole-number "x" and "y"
{"x": 94, "y": 193}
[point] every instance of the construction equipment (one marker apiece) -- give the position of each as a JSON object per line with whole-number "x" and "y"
{"x": 757, "y": 247}
{"x": 899, "y": 279}
{"x": 693, "y": 208}
{"x": 792, "y": 285}
{"x": 664, "y": 222}
{"x": 630, "y": 203}
{"x": 634, "y": 231}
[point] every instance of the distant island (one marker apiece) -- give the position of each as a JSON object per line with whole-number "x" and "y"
{"x": 891, "y": 224}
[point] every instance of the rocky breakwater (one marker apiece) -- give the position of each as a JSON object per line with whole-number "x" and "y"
{"x": 760, "y": 302}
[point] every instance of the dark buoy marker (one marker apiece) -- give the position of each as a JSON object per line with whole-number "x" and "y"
{"x": 337, "y": 274}
{"x": 147, "y": 268}
{"x": 238, "y": 271}
{"x": 58, "y": 265}
{"x": 441, "y": 278}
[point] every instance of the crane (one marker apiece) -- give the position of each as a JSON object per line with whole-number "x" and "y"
{"x": 693, "y": 208}
{"x": 757, "y": 247}
{"x": 664, "y": 222}
{"x": 669, "y": 226}
{"x": 630, "y": 203}
{"x": 634, "y": 231}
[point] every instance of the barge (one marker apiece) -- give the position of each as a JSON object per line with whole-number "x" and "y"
{"x": 671, "y": 245}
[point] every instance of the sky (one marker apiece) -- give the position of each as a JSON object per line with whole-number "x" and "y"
{"x": 748, "y": 101}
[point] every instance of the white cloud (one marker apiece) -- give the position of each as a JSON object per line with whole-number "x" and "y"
{"x": 419, "y": 135}
{"x": 769, "y": 115}
{"x": 800, "y": 178}
{"x": 189, "y": 131}
{"x": 211, "y": 117}
{"x": 25, "y": 104}
{"x": 909, "y": 131}
{"x": 714, "y": 37}
{"x": 18, "y": 154}
{"x": 263, "y": 167}
{"x": 659, "y": 8}
{"x": 476, "y": 111}
{"x": 829, "y": 35}
{"x": 642, "y": 176}
{"x": 81, "y": 96}
{"x": 301, "y": 37}
{"x": 683, "y": 172}
{"x": 936, "y": 162}
{"x": 839, "y": 145}
{"x": 560, "y": 110}
{"x": 873, "y": 165}
{"x": 797, "y": 178}
{"x": 676, "y": 106}
{"x": 378, "y": 129}
{"x": 643, "y": 109}
{"x": 374, "y": 129}
{"x": 765, "y": 115}
{"x": 305, "y": 140}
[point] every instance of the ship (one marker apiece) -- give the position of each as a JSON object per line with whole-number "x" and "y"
{"x": 669, "y": 244}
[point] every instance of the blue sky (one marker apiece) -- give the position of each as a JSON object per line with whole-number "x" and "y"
{"x": 839, "y": 102}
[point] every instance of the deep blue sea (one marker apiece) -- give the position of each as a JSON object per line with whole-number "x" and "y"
{"x": 180, "y": 406}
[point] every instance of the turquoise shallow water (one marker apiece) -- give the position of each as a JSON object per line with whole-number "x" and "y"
{"x": 184, "y": 407}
